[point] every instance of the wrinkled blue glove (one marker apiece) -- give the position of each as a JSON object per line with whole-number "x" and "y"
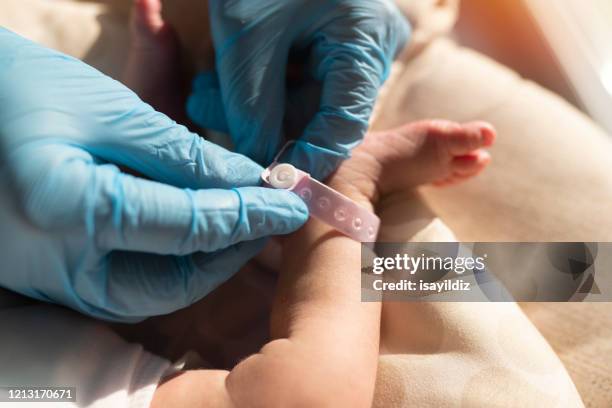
{"x": 350, "y": 45}
{"x": 75, "y": 230}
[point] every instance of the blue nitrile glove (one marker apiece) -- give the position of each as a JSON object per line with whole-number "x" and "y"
{"x": 76, "y": 230}
{"x": 350, "y": 45}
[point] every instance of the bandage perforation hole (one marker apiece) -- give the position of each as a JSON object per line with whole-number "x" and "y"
{"x": 340, "y": 214}
{"x": 371, "y": 232}
{"x": 323, "y": 203}
{"x": 305, "y": 194}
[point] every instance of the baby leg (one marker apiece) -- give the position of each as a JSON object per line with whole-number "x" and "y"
{"x": 153, "y": 68}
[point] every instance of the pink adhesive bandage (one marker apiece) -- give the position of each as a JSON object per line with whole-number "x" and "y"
{"x": 324, "y": 203}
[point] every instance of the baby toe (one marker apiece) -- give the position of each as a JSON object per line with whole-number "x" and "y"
{"x": 147, "y": 16}
{"x": 471, "y": 164}
{"x": 467, "y": 138}
{"x": 486, "y": 130}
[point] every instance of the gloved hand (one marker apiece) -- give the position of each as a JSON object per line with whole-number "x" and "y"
{"x": 77, "y": 231}
{"x": 350, "y": 45}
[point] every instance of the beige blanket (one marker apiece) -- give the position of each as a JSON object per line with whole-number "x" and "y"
{"x": 540, "y": 187}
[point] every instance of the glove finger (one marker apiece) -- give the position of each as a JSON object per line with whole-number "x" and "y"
{"x": 82, "y": 107}
{"x": 255, "y": 114}
{"x": 252, "y": 80}
{"x": 347, "y": 99}
{"x": 154, "y": 145}
{"x": 138, "y": 286}
{"x": 352, "y": 71}
{"x": 205, "y": 104}
{"x": 128, "y": 213}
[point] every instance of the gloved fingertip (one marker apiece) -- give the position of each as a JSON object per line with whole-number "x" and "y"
{"x": 267, "y": 212}
{"x": 284, "y": 210}
{"x": 318, "y": 161}
{"x": 300, "y": 210}
{"x": 403, "y": 33}
{"x": 206, "y": 80}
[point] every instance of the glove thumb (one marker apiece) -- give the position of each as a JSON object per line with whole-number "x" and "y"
{"x": 140, "y": 286}
{"x": 213, "y": 269}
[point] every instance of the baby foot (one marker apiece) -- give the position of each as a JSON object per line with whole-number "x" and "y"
{"x": 437, "y": 152}
{"x": 153, "y": 66}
